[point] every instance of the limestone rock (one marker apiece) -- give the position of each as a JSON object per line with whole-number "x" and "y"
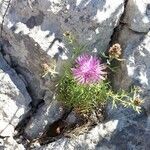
{"x": 14, "y": 103}
{"x": 33, "y": 36}
{"x": 9, "y": 143}
{"x": 137, "y": 62}
{"x": 135, "y": 69}
{"x": 138, "y": 15}
{"x": 33, "y": 33}
{"x": 127, "y": 39}
{"x": 14, "y": 99}
{"x": 123, "y": 131}
{"x": 46, "y": 115}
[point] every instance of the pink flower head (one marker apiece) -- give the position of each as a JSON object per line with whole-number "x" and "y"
{"x": 88, "y": 69}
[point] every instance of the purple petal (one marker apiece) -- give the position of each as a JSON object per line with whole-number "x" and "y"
{"x": 88, "y": 69}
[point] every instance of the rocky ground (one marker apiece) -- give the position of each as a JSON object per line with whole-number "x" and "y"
{"x": 31, "y": 35}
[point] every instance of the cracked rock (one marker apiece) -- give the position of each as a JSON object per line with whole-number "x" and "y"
{"x": 14, "y": 101}
{"x": 34, "y": 33}
{"x": 33, "y": 36}
{"x": 46, "y": 115}
{"x": 135, "y": 69}
{"x": 9, "y": 143}
{"x": 138, "y": 15}
{"x": 123, "y": 131}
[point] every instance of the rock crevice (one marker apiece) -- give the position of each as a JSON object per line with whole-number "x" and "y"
{"x": 32, "y": 37}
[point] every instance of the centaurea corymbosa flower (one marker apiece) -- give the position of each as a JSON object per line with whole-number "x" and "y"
{"x": 88, "y": 69}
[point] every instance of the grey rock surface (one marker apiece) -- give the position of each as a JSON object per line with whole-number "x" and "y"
{"x": 50, "y": 19}
{"x": 33, "y": 36}
{"x": 138, "y": 15}
{"x": 137, "y": 66}
{"x": 125, "y": 130}
{"x": 46, "y": 115}
{"x": 14, "y": 101}
{"x": 127, "y": 39}
{"x": 33, "y": 32}
{"x": 9, "y": 143}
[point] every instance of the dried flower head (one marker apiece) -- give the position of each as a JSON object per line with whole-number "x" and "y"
{"x": 48, "y": 69}
{"x": 115, "y": 51}
{"x": 88, "y": 69}
{"x": 137, "y": 101}
{"x": 71, "y": 39}
{"x": 67, "y": 33}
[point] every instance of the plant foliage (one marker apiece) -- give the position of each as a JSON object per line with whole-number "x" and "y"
{"x": 86, "y": 97}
